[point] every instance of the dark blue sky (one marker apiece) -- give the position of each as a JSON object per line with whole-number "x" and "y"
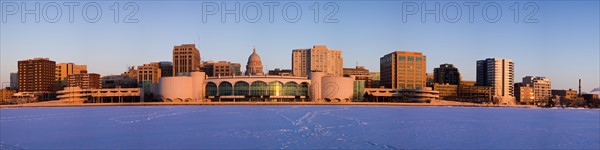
{"x": 563, "y": 44}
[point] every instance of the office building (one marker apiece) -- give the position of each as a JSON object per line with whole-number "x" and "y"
{"x": 14, "y": 81}
{"x": 499, "y": 74}
{"x": 186, "y": 58}
{"x": 166, "y": 68}
{"x": 446, "y": 73}
{"x": 403, "y": 70}
{"x": 319, "y": 58}
{"x": 114, "y": 81}
{"x": 149, "y": 73}
{"x": 542, "y": 87}
{"x": 36, "y": 75}
{"x": 566, "y": 94}
{"x": 447, "y": 91}
{"x": 375, "y": 77}
{"x": 254, "y": 66}
{"x": 84, "y": 80}
{"x": 468, "y": 91}
{"x": 65, "y": 69}
{"x": 221, "y": 68}
{"x": 360, "y": 74}
{"x": 132, "y": 72}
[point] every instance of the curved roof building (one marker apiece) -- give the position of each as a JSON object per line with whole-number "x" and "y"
{"x": 254, "y": 66}
{"x": 200, "y": 88}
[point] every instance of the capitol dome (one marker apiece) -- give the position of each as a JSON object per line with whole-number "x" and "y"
{"x": 254, "y": 65}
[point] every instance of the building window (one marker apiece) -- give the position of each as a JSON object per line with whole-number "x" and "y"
{"x": 402, "y": 58}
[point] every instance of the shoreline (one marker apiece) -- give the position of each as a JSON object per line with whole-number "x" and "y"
{"x": 32, "y": 105}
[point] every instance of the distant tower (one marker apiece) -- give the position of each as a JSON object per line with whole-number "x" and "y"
{"x": 579, "y": 87}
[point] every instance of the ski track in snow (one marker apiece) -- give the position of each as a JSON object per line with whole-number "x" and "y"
{"x": 307, "y": 127}
{"x": 127, "y": 119}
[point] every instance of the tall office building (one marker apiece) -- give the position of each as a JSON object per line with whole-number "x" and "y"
{"x": 318, "y": 58}
{"x": 14, "y": 81}
{"x": 499, "y": 74}
{"x": 254, "y": 66}
{"x": 149, "y": 72}
{"x": 186, "y": 58}
{"x": 446, "y": 73}
{"x": 166, "y": 68}
{"x": 542, "y": 87}
{"x": 84, "y": 80}
{"x": 65, "y": 69}
{"x": 403, "y": 70}
{"x": 222, "y": 68}
{"x": 36, "y": 75}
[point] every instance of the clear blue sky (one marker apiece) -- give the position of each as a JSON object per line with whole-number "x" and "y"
{"x": 563, "y": 45}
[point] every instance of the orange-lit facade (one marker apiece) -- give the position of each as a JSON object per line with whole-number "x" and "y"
{"x": 84, "y": 80}
{"x": 149, "y": 72}
{"x": 186, "y": 58}
{"x": 403, "y": 70}
{"x": 36, "y": 75}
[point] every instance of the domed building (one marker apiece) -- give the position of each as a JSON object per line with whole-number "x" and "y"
{"x": 254, "y": 66}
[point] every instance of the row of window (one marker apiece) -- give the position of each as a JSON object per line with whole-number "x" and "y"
{"x": 257, "y": 88}
{"x": 411, "y": 58}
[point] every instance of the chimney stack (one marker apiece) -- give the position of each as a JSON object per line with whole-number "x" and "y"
{"x": 579, "y": 87}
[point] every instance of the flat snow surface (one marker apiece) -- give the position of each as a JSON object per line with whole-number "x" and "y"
{"x": 298, "y": 127}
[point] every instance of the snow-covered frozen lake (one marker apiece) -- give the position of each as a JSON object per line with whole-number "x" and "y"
{"x": 292, "y": 127}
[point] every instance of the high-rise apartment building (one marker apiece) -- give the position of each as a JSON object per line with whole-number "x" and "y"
{"x": 166, "y": 68}
{"x": 318, "y": 58}
{"x": 65, "y": 69}
{"x": 222, "y": 68}
{"x": 446, "y": 74}
{"x": 149, "y": 72}
{"x": 36, "y": 75}
{"x": 84, "y": 80}
{"x": 542, "y": 87}
{"x": 403, "y": 70}
{"x": 186, "y": 58}
{"x": 497, "y": 73}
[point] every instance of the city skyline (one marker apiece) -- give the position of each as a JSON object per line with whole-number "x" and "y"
{"x": 534, "y": 48}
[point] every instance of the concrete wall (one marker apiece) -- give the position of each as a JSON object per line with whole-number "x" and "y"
{"x": 177, "y": 88}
